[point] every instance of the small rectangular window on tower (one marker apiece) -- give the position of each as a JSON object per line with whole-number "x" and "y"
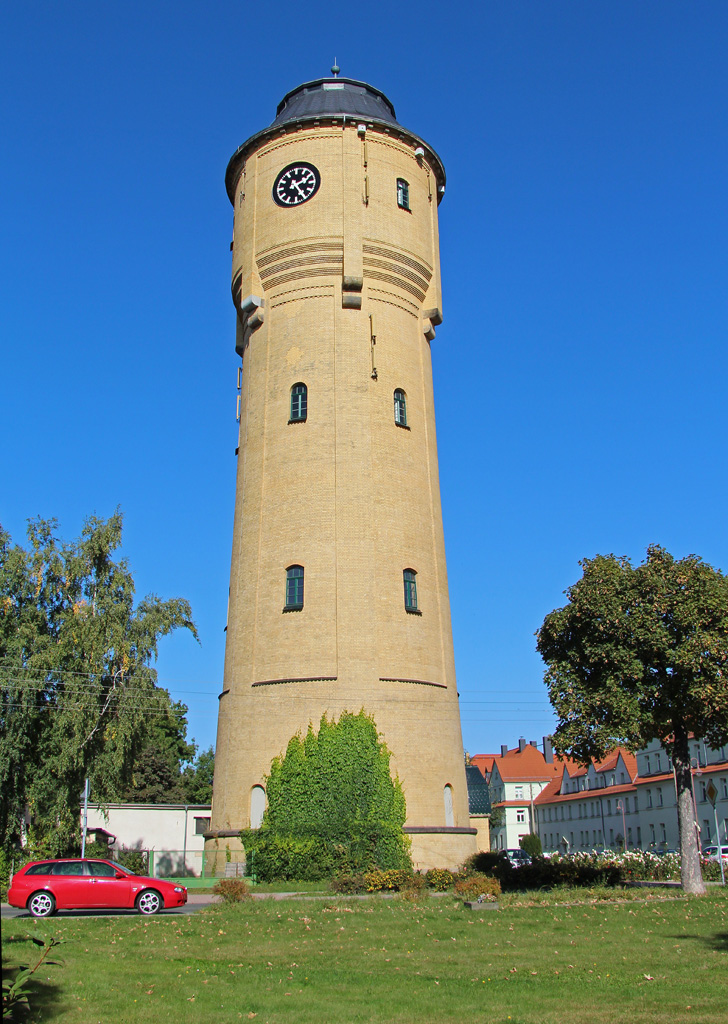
{"x": 403, "y": 194}
{"x": 294, "y": 588}
{"x": 410, "y": 591}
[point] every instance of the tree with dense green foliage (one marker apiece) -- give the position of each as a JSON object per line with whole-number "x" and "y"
{"x": 640, "y": 653}
{"x": 332, "y": 805}
{"x": 78, "y": 695}
{"x": 497, "y": 817}
{"x": 157, "y": 772}
{"x": 197, "y": 777}
{"x": 531, "y": 844}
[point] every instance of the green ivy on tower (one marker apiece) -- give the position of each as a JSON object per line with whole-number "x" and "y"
{"x": 332, "y": 805}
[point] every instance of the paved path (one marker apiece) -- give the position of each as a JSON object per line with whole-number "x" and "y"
{"x": 195, "y": 902}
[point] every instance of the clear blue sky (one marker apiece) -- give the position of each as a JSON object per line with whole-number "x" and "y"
{"x": 580, "y": 372}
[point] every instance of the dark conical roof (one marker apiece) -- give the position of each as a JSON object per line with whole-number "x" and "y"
{"x": 335, "y": 98}
{"x": 328, "y": 96}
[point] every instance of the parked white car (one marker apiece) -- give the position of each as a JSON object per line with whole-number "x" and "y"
{"x": 711, "y": 852}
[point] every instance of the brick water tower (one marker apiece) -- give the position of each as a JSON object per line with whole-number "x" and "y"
{"x": 338, "y": 585}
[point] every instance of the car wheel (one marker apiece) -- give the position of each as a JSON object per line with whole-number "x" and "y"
{"x": 41, "y": 904}
{"x": 149, "y": 902}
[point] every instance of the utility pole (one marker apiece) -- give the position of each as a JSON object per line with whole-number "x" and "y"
{"x": 85, "y": 818}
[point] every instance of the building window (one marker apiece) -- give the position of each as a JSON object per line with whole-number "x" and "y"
{"x": 410, "y": 590}
{"x": 400, "y": 408}
{"x": 519, "y": 792}
{"x": 201, "y": 826}
{"x": 257, "y": 806}
{"x": 648, "y": 794}
{"x": 449, "y": 814}
{"x": 299, "y": 403}
{"x": 520, "y": 816}
{"x": 403, "y": 194}
{"x": 294, "y": 587}
{"x": 659, "y": 798}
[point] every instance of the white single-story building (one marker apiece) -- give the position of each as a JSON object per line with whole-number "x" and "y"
{"x": 173, "y": 834}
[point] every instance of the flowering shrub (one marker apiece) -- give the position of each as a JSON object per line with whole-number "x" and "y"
{"x": 439, "y": 879}
{"x": 232, "y": 890}
{"x": 637, "y": 865}
{"x": 392, "y": 880}
{"x": 475, "y": 886}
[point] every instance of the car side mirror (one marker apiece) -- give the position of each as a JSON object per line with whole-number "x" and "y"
{"x": 119, "y": 874}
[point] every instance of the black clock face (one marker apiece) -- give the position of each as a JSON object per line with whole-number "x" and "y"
{"x": 296, "y": 184}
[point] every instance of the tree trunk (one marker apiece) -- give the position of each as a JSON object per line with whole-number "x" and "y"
{"x": 690, "y": 874}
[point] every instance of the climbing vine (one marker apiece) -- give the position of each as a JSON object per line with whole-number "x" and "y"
{"x": 332, "y": 805}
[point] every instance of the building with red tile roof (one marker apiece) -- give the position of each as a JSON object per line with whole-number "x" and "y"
{"x": 516, "y": 778}
{"x": 625, "y": 800}
{"x": 591, "y": 807}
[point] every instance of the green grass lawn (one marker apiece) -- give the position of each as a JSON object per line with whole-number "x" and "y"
{"x": 377, "y": 960}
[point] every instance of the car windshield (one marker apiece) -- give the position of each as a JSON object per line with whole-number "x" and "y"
{"x": 120, "y": 867}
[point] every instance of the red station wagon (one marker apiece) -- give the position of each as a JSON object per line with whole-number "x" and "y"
{"x": 78, "y": 884}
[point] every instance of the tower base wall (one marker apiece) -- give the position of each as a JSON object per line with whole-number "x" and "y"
{"x": 431, "y": 848}
{"x": 442, "y": 848}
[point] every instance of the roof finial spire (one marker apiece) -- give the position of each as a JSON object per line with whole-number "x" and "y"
{"x": 335, "y": 69}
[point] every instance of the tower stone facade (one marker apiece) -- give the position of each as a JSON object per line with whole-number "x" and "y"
{"x": 338, "y": 586}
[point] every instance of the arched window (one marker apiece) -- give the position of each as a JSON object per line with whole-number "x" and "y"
{"x": 400, "y": 408}
{"x": 410, "y": 590}
{"x": 294, "y": 587}
{"x": 449, "y": 813}
{"x": 257, "y": 806}
{"x": 403, "y": 194}
{"x": 299, "y": 403}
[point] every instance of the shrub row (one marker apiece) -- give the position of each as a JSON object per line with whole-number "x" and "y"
{"x": 584, "y": 869}
{"x": 392, "y": 880}
{"x": 469, "y": 885}
{"x": 544, "y": 874}
{"x": 312, "y": 857}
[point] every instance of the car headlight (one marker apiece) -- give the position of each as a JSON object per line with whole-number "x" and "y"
{"x": 178, "y": 888}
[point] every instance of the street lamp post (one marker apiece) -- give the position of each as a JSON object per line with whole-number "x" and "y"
{"x": 620, "y": 807}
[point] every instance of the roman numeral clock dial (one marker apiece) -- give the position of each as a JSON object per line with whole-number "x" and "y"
{"x": 296, "y": 184}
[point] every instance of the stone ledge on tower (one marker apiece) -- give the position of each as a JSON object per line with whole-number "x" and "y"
{"x": 251, "y": 314}
{"x": 351, "y": 292}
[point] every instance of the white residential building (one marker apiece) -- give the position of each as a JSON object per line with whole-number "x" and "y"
{"x": 592, "y": 808}
{"x": 657, "y": 797}
{"x": 172, "y": 833}
{"x": 516, "y": 778}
